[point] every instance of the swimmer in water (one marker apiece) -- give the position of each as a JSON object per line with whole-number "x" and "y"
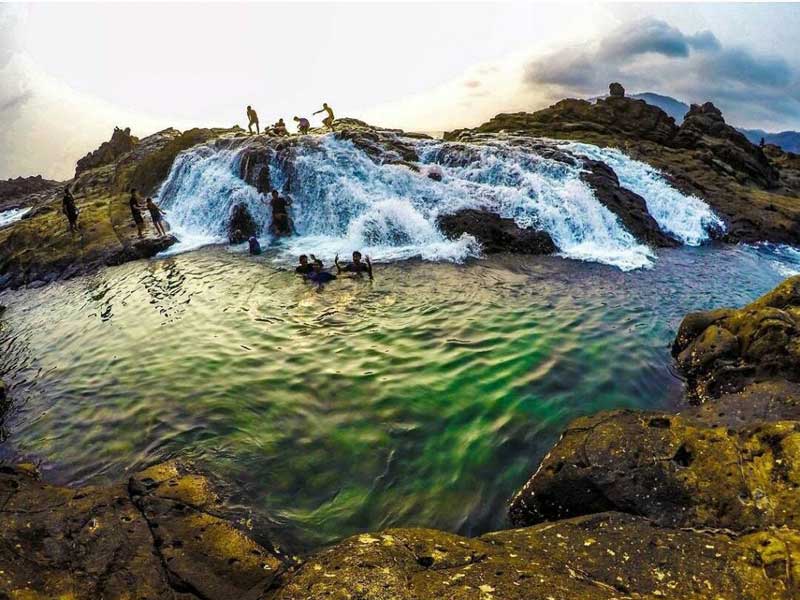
{"x": 355, "y": 268}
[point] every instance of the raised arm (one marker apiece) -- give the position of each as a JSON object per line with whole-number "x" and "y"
{"x": 369, "y": 267}
{"x": 338, "y": 266}
{"x": 319, "y": 111}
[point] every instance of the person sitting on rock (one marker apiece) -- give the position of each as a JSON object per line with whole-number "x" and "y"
{"x": 70, "y": 210}
{"x": 355, "y": 268}
{"x": 280, "y": 128}
{"x": 255, "y": 247}
{"x": 156, "y": 215}
{"x": 136, "y": 213}
{"x": 319, "y": 276}
{"x": 303, "y": 125}
{"x": 252, "y": 119}
{"x": 280, "y": 215}
{"x": 304, "y": 268}
{"x": 327, "y": 121}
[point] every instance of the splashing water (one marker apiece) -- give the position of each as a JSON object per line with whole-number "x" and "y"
{"x": 686, "y": 218}
{"x": 347, "y": 201}
{"x": 8, "y": 217}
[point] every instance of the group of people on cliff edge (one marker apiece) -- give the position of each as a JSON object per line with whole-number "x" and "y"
{"x": 279, "y": 128}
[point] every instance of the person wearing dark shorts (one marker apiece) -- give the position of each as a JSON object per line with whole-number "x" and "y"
{"x": 156, "y": 214}
{"x": 136, "y": 213}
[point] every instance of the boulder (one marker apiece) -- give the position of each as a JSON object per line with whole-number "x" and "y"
{"x": 675, "y": 470}
{"x": 724, "y": 351}
{"x": 121, "y": 143}
{"x": 241, "y": 225}
{"x": 495, "y": 233}
{"x": 630, "y": 208}
{"x": 155, "y": 538}
{"x": 615, "y": 90}
{"x": 606, "y": 556}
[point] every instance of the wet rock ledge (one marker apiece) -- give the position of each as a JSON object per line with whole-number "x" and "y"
{"x": 700, "y": 504}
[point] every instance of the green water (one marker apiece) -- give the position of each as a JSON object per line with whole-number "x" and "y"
{"x": 425, "y": 398}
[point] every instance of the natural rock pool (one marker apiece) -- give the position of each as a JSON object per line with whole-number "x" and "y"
{"x": 424, "y": 398}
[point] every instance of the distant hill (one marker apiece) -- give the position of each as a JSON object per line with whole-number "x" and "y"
{"x": 674, "y": 108}
{"x": 788, "y": 140}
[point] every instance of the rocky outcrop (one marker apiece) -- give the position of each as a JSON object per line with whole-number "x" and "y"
{"x": 605, "y": 556}
{"x": 616, "y": 90}
{"x": 13, "y": 190}
{"x": 728, "y": 150}
{"x": 630, "y": 208}
{"x": 241, "y": 225}
{"x": 675, "y": 470}
{"x": 121, "y": 143}
{"x": 495, "y": 233}
{"x": 724, "y": 351}
{"x": 160, "y": 536}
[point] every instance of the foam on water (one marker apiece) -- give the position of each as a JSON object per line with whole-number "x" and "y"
{"x": 686, "y": 218}
{"x": 8, "y": 217}
{"x": 347, "y": 201}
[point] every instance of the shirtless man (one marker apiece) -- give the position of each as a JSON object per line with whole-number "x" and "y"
{"x": 327, "y": 121}
{"x": 252, "y": 118}
{"x": 355, "y": 268}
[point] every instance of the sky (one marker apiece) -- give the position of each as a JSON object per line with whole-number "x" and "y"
{"x": 70, "y": 73}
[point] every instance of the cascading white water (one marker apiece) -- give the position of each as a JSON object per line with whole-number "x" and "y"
{"x": 345, "y": 201}
{"x": 686, "y": 218}
{"x": 13, "y": 215}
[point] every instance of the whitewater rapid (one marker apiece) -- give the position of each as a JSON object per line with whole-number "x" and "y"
{"x": 347, "y": 201}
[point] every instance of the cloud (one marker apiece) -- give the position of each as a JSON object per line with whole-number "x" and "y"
{"x": 651, "y": 55}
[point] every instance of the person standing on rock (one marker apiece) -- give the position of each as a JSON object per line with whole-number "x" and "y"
{"x": 156, "y": 215}
{"x": 302, "y": 125}
{"x": 136, "y": 213}
{"x": 252, "y": 119}
{"x": 327, "y": 121}
{"x": 70, "y": 210}
{"x": 280, "y": 214}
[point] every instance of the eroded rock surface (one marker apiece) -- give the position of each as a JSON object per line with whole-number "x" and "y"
{"x": 602, "y": 556}
{"x": 156, "y": 538}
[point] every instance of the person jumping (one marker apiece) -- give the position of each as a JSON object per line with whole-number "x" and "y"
{"x": 327, "y": 121}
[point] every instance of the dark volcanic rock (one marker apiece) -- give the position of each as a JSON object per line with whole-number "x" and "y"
{"x": 606, "y": 556}
{"x": 616, "y": 90}
{"x": 674, "y": 470}
{"x": 704, "y": 128}
{"x": 725, "y": 350}
{"x": 241, "y": 225}
{"x": 106, "y": 542}
{"x": 121, "y": 143}
{"x": 630, "y": 208}
{"x": 495, "y": 233}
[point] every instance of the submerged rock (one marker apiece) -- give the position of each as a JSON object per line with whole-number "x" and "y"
{"x": 495, "y": 233}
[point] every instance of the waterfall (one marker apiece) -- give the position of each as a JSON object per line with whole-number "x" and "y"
{"x": 344, "y": 200}
{"x": 686, "y": 218}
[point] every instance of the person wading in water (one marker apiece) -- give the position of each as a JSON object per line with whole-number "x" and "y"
{"x": 136, "y": 213}
{"x": 70, "y": 210}
{"x": 327, "y": 121}
{"x": 355, "y": 268}
{"x": 252, "y": 119}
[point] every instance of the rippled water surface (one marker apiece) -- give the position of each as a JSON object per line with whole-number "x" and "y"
{"x": 424, "y": 398}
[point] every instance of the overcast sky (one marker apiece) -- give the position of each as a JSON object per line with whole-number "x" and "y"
{"x": 70, "y": 72}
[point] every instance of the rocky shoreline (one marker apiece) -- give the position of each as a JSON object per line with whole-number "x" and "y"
{"x": 704, "y": 503}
